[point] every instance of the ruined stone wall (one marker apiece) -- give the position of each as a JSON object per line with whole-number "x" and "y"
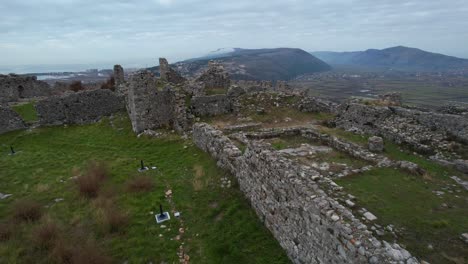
{"x": 78, "y": 108}
{"x": 215, "y": 77}
{"x": 316, "y": 105}
{"x": 151, "y": 107}
{"x": 211, "y": 105}
{"x": 423, "y": 131}
{"x": 310, "y": 225}
{"x": 10, "y": 120}
{"x": 14, "y": 87}
{"x": 119, "y": 75}
{"x": 168, "y": 74}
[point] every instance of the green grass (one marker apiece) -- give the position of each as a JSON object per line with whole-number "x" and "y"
{"x": 26, "y": 111}
{"x": 407, "y": 202}
{"x": 288, "y": 142}
{"x": 220, "y": 226}
{"x": 216, "y": 91}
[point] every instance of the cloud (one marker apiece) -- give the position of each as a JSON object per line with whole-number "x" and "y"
{"x": 87, "y": 31}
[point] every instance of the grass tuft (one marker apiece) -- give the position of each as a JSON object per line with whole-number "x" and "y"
{"x": 46, "y": 234}
{"x": 140, "y": 183}
{"x": 27, "y": 210}
{"x": 91, "y": 182}
{"x": 6, "y": 231}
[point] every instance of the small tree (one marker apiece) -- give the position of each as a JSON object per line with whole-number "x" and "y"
{"x": 109, "y": 84}
{"x": 76, "y": 86}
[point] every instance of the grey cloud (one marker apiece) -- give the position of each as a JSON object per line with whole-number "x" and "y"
{"x": 87, "y": 31}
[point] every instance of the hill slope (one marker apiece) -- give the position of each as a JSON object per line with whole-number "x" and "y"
{"x": 257, "y": 64}
{"x": 396, "y": 58}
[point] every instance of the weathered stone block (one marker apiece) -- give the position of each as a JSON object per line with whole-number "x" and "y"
{"x": 376, "y": 144}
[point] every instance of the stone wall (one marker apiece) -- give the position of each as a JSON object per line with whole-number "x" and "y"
{"x": 316, "y": 105}
{"x": 78, "y": 108}
{"x": 14, "y": 87}
{"x": 119, "y": 75}
{"x": 10, "y": 120}
{"x": 423, "y": 131}
{"x": 211, "y": 105}
{"x": 310, "y": 225}
{"x": 168, "y": 74}
{"x": 151, "y": 107}
{"x": 215, "y": 77}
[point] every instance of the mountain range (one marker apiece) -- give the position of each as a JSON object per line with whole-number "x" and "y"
{"x": 256, "y": 64}
{"x": 398, "y": 58}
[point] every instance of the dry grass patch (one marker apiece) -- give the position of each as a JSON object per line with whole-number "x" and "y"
{"x": 197, "y": 181}
{"x": 46, "y": 234}
{"x": 140, "y": 183}
{"x": 109, "y": 216}
{"x": 27, "y": 210}
{"x": 6, "y": 231}
{"x": 92, "y": 180}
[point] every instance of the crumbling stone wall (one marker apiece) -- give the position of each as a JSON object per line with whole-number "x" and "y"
{"x": 423, "y": 131}
{"x": 119, "y": 76}
{"x": 310, "y": 225}
{"x": 78, "y": 108}
{"x": 168, "y": 74}
{"x": 151, "y": 107}
{"x": 316, "y": 105}
{"x": 211, "y": 105}
{"x": 10, "y": 120}
{"x": 215, "y": 77}
{"x": 14, "y": 87}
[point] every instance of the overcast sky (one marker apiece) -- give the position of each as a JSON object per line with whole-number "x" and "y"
{"x": 139, "y": 31}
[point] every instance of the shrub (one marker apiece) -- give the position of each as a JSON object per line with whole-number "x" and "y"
{"x": 109, "y": 84}
{"x": 76, "y": 86}
{"x": 91, "y": 182}
{"x": 141, "y": 183}
{"x": 46, "y": 234}
{"x": 27, "y": 210}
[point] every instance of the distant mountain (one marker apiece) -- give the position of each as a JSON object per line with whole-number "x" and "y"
{"x": 397, "y": 58}
{"x": 256, "y": 64}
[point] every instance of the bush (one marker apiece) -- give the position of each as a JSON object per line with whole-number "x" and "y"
{"x": 46, "y": 234}
{"x": 109, "y": 84}
{"x": 141, "y": 183}
{"x": 27, "y": 210}
{"x": 91, "y": 182}
{"x": 76, "y": 86}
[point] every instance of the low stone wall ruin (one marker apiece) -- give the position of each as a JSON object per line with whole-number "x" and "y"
{"x": 310, "y": 225}
{"x": 14, "y": 87}
{"x": 425, "y": 132}
{"x": 211, "y": 105}
{"x": 10, "y": 120}
{"x": 78, "y": 108}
